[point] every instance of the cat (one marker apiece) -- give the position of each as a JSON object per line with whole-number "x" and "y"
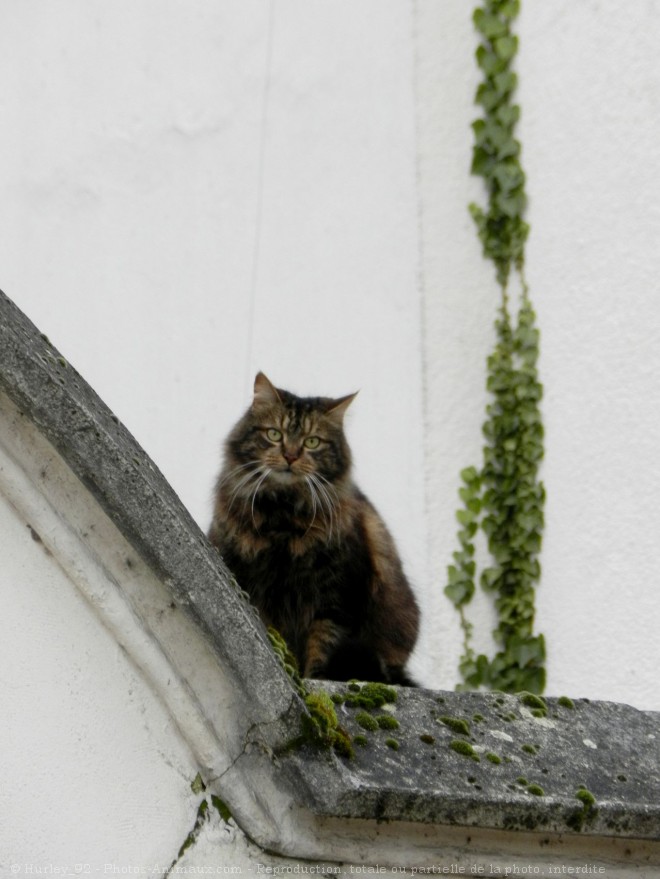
{"x": 307, "y": 546}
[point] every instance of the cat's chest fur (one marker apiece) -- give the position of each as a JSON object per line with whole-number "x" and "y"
{"x": 286, "y": 564}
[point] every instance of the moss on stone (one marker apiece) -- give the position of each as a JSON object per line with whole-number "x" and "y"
{"x": 531, "y": 700}
{"x": 586, "y": 797}
{"x": 584, "y": 815}
{"x": 321, "y": 727}
{"x": 392, "y": 743}
{"x": 360, "y": 740}
{"x": 370, "y": 695}
{"x": 464, "y": 748}
{"x": 286, "y": 658}
{"x": 427, "y": 739}
{"x": 493, "y": 758}
{"x": 221, "y": 807}
{"x": 322, "y": 711}
{"x": 386, "y": 721}
{"x": 366, "y": 721}
{"x": 380, "y": 693}
{"x": 197, "y": 785}
{"x": 456, "y": 724}
{"x": 565, "y": 702}
{"x": 536, "y": 790}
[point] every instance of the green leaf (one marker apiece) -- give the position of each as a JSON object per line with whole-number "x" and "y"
{"x": 505, "y": 498}
{"x": 505, "y": 82}
{"x": 510, "y": 9}
{"x": 469, "y": 475}
{"x": 506, "y": 47}
{"x": 460, "y": 593}
{"x": 465, "y": 517}
{"x": 487, "y": 24}
{"x": 490, "y": 578}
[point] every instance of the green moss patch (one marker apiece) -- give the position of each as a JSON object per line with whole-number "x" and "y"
{"x": 583, "y": 816}
{"x": 386, "y": 721}
{"x": 366, "y": 721}
{"x": 531, "y": 700}
{"x": 464, "y": 748}
{"x": 456, "y": 724}
{"x": 321, "y": 727}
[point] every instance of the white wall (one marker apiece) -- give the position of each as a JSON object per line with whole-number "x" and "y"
{"x": 193, "y": 191}
{"x": 94, "y": 772}
{"x": 590, "y": 87}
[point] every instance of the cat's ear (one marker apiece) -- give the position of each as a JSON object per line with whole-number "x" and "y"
{"x": 337, "y": 408}
{"x": 264, "y": 391}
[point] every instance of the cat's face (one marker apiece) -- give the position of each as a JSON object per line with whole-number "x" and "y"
{"x": 292, "y": 439}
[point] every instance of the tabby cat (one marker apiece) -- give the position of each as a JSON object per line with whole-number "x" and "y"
{"x": 306, "y": 544}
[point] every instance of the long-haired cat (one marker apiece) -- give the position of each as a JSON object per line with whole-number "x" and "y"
{"x": 306, "y": 544}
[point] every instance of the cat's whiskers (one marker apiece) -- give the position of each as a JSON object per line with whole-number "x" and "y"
{"x": 235, "y": 470}
{"x": 328, "y": 505}
{"x": 312, "y": 492}
{"x": 245, "y": 481}
{"x": 265, "y": 475}
{"x": 329, "y": 486}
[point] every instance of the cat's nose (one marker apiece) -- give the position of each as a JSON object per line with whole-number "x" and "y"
{"x": 290, "y": 457}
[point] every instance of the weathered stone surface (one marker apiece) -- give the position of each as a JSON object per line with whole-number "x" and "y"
{"x": 134, "y": 494}
{"x": 592, "y": 768}
{"x": 524, "y": 771}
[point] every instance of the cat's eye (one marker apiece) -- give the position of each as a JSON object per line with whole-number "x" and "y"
{"x": 274, "y": 435}
{"x": 312, "y": 442}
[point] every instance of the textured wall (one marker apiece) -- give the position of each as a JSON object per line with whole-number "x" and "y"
{"x": 590, "y": 87}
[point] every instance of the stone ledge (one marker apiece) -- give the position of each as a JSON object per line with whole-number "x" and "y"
{"x": 486, "y": 760}
{"x": 613, "y": 751}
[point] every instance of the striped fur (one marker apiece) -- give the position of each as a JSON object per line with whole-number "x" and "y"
{"x": 307, "y": 545}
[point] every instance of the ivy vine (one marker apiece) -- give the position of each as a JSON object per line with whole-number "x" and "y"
{"x": 505, "y": 497}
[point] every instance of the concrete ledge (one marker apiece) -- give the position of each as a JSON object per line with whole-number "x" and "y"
{"x": 487, "y": 763}
{"x": 508, "y": 762}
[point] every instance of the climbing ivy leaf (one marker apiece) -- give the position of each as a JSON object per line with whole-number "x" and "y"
{"x": 504, "y": 498}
